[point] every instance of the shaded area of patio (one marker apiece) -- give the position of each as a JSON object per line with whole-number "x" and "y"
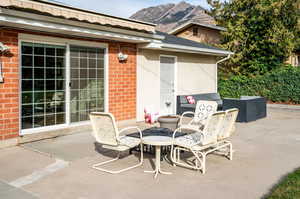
{"x": 265, "y": 151}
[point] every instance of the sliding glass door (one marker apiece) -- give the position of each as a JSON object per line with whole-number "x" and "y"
{"x": 46, "y": 84}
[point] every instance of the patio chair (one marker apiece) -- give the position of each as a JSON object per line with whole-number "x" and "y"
{"x": 202, "y": 111}
{"x": 199, "y": 143}
{"x": 106, "y": 133}
{"x": 227, "y": 129}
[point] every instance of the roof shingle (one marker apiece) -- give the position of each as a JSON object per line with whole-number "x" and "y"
{"x": 171, "y": 39}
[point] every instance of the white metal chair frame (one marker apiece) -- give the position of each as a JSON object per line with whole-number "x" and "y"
{"x": 227, "y": 129}
{"x": 202, "y": 111}
{"x": 206, "y": 143}
{"x": 118, "y": 145}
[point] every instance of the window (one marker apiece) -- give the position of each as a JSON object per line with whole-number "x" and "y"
{"x": 195, "y": 31}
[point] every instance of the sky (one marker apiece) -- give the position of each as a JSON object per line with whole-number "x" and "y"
{"x": 123, "y": 8}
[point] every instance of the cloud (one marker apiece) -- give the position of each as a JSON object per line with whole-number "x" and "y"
{"x": 123, "y": 8}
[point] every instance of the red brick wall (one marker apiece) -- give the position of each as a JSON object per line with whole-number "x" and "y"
{"x": 122, "y": 83}
{"x": 9, "y": 90}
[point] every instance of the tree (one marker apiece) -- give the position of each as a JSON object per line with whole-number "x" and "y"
{"x": 216, "y": 10}
{"x": 261, "y": 33}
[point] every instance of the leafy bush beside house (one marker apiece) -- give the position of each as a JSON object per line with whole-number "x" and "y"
{"x": 261, "y": 33}
{"x": 280, "y": 85}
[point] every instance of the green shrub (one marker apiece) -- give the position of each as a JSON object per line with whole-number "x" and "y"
{"x": 280, "y": 85}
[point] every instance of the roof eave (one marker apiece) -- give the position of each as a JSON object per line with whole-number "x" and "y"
{"x": 185, "y": 49}
{"x": 207, "y": 51}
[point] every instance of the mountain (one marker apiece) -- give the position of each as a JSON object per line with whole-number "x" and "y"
{"x": 169, "y": 16}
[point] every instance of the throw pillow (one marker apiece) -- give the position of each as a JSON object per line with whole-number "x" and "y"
{"x": 190, "y": 99}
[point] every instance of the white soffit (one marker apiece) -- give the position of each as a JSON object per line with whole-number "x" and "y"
{"x": 184, "y": 49}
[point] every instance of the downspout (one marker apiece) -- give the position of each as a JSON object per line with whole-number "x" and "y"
{"x": 220, "y": 61}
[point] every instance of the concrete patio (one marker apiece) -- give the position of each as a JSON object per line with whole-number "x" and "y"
{"x": 265, "y": 151}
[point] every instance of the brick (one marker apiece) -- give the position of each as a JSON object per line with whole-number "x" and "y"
{"x": 11, "y": 105}
{"x": 11, "y": 115}
{"x": 10, "y": 136}
{"x": 11, "y": 95}
{"x": 11, "y": 75}
{"x": 10, "y": 34}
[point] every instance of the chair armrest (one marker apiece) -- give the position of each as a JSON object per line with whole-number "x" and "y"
{"x": 185, "y": 113}
{"x": 173, "y": 136}
{"x": 132, "y": 127}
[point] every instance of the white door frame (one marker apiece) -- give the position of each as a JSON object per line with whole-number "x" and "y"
{"x": 62, "y": 42}
{"x": 175, "y": 78}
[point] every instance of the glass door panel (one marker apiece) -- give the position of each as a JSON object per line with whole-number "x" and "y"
{"x": 167, "y": 85}
{"x": 87, "y": 81}
{"x": 43, "y": 85}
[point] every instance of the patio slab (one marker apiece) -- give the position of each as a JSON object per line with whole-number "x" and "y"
{"x": 265, "y": 151}
{"x": 69, "y": 148}
{"x": 72, "y": 147}
{"x": 17, "y": 162}
{"x": 10, "y": 192}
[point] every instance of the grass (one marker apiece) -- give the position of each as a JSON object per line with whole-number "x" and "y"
{"x": 288, "y": 188}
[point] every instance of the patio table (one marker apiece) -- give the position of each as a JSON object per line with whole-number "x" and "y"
{"x": 157, "y": 141}
{"x": 156, "y": 131}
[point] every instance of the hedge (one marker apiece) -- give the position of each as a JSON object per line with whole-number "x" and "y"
{"x": 281, "y": 85}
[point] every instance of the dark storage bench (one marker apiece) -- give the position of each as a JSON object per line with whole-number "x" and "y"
{"x": 250, "y": 108}
{"x": 183, "y": 105}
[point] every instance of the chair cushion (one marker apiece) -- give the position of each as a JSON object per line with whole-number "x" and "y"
{"x": 190, "y": 99}
{"x": 193, "y": 141}
{"x": 189, "y": 140}
{"x": 126, "y": 143}
{"x": 129, "y": 141}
